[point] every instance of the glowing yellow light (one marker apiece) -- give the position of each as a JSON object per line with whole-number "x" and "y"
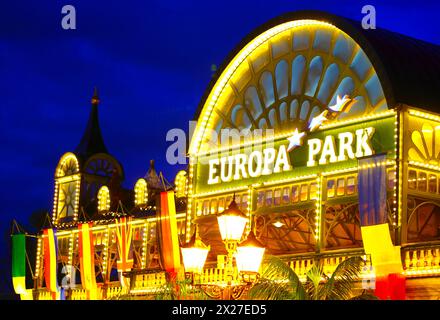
{"x": 278, "y": 224}
{"x": 231, "y": 223}
{"x": 141, "y": 192}
{"x": 194, "y": 255}
{"x": 103, "y": 199}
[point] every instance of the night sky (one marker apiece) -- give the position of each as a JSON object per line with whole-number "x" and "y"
{"x": 151, "y": 61}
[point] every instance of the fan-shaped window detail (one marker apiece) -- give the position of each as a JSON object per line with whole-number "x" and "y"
{"x": 283, "y": 112}
{"x": 282, "y": 79}
{"x": 252, "y": 102}
{"x": 301, "y": 40}
{"x": 262, "y": 124}
{"x": 104, "y": 199}
{"x": 315, "y": 111}
{"x": 294, "y": 109}
{"x": 343, "y": 48}
{"x": 305, "y": 107}
{"x": 141, "y": 193}
{"x": 322, "y": 40}
{"x": 240, "y": 117}
{"x": 320, "y": 63}
{"x": 374, "y": 90}
{"x": 266, "y": 83}
{"x": 425, "y": 147}
{"x": 315, "y": 70}
{"x": 219, "y": 126}
{"x": 298, "y": 68}
{"x": 272, "y": 117}
{"x": 281, "y": 47}
{"x": 361, "y": 65}
{"x": 67, "y": 166}
{"x": 345, "y": 87}
{"x": 328, "y": 83}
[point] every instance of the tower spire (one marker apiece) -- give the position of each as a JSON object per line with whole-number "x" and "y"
{"x": 95, "y": 98}
{"x": 92, "y": 141}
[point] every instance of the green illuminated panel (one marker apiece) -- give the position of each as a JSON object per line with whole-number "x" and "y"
{"x": 381, "y": 141}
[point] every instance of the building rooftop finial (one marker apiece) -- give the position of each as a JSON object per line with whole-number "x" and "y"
{"x": 95, "y": 98}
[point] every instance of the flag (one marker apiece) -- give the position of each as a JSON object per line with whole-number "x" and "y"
{"x": 124, "y": 236}
{"x": 87, "y": 259}
{"x": 169, "y": 236}
{"x": 385, "y": 257}
{"x": 372, "y": 190}
{"x": 19, "y": 263}
{"x": 50, "y": 260}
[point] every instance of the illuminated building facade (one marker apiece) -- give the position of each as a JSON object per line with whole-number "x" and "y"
{"x": 325, "y": 94}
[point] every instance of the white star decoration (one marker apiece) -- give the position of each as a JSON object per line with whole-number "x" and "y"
{"x": 317, "y": 121}
{"x": 295, "y": 140}
{"x": 341, "y": 104}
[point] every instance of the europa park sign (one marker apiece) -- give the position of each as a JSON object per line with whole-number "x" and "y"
{"x": 301, "y": 153}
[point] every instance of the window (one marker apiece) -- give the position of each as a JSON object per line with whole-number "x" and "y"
{"x": 340, "y": 188}
{"x": 221, "y": 205}
{"x": 304, "y": 192}
{"x": 391, "y": 179}
{"x": 244, "y": 202}
{"x": 412, "y": 179}
{"x": 330, "y": 188}
{"x": 260, "y": 199}
{"x": 140, "y": 192}
{"x": 277, "y": 197}
{"x": 286, "y": 195}
{"x": 213, "y": 206}
{"x": 313, "y": 191}
{"x": 268, "y": 198}
{"x": 295, "y": 194}
{"x": 199, "y": 208}
{"x": 432, "y": 183}
{"x": 238, "y": 200}
{"x": 351, "y": 185}
{"x": 205, "y": 208}
{"x": 103, "y": 199}
{"x": 422, "y": 183}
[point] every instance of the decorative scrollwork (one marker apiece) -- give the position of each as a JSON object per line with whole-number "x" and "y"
{"x": 212, "y": 291}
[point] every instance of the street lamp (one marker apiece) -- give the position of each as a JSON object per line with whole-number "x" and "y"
{"x": 194, "y": 254}
{"x": 231, "y": 223}
{"x": 249, "y": 255}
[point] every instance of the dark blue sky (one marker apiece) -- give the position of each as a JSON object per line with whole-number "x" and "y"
{"x": 151, "y": 61}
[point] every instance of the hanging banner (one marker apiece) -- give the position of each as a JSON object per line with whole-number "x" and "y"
{"x": 87, "y": 259}
{"x": 372, "y": 190}
{"x": 19, "y": 263}
{"x": 386, "y": 258}
{"x": 125, "y": 258}
{"x": 50, "y": 260}
{"x": 169, "y": 240}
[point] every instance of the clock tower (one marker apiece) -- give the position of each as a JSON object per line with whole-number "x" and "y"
{"x": 80, "y": 174}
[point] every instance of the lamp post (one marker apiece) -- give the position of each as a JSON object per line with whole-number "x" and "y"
{"x": 249, "y": 255}
{"x": 232, "y": 223}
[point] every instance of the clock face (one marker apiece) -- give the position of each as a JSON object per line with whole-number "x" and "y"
{"x": 66, "y": 199}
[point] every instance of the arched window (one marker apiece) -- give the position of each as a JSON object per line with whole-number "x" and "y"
{"x": 103, "y": 199}
{"x": 68, "y": 165}
{"x": 66, "y": 196}
{"x": 181, "y": 183}
{"x": 270, "y": 74}
{"x": 140, "y": 193}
